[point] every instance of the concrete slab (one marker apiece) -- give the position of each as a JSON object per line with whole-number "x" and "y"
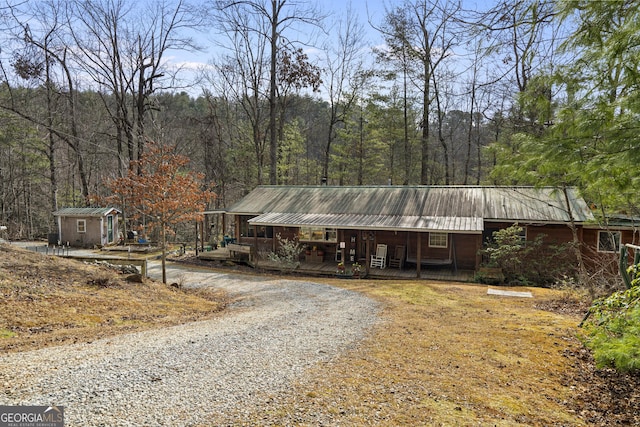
{"x": 509, "y": 293}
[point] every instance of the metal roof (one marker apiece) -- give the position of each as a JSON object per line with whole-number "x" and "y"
{"x": 617, "y": 221}
{"x": 534, "y": 204}
{"x": 450, "y": 208}
{"x": 373, "y": 222}
{"x": 93, "y": 212}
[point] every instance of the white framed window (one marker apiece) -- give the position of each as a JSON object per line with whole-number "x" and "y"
{"x": 609, "y": 241}
{"x": 81, "y": 225}
{"x": 438, "y": 240}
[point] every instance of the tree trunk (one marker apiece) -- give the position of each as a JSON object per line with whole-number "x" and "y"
{"x": 163, "y": 234}
{"x": 52, "y": 147}
{"x": 426, "y": 104}
{"x": 467, "y": 162}
{"x": 582, "y": 272}
{"x": 407, "y": 147}
{"x": 273, "y": 141}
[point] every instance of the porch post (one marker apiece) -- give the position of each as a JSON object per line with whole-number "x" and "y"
{"x": 418, "y": 254}
{"x": 202, "y": 235}
{"x": 255, "y": 238}
{"x": 224, "y": 227}
{"x": 367, "y": 241}
{"x": 478, "y": 256}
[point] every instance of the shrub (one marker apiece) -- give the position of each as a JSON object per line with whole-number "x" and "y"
{"x": 528, "y": 262}
{"x": 288, "y": 255}
{"x": 613, "y": 329}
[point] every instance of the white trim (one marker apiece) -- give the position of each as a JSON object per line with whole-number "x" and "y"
{"x": 617, "y": 241}
{"x": 439, "y": 234}
{"x": 84, "y": 225}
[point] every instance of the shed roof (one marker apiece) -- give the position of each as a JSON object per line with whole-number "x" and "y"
{"x": 444, "y": 208}
{"x": 87, "y": 212}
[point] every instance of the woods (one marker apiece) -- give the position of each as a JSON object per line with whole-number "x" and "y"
{"x": 290, "y": 93}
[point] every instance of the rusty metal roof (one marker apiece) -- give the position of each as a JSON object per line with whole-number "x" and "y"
{"x": 91, "y": 212}
{"x": 450, "y": 208}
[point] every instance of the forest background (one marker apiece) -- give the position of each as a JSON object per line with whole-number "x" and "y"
{"x": 531, "y": 92}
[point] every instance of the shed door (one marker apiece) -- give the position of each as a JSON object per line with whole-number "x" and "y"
{"x": 110, "y": 229}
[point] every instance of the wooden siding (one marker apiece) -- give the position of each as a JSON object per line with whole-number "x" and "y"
{"x": 69, "y": 232}
{"x": 605, "y": 261}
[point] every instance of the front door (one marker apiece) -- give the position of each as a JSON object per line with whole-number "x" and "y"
{"x": 110, "y": 229}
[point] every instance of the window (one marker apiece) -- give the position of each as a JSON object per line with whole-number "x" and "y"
{"x": 244, "y": 225}
{"x": 260, "y": 231}
{"x": 248, "y": 230}
{"x": 608, "y": 241}
{"x": 81, "y": 225}
{"x": 438, "y": 240}
{"x": 310, "y": 234}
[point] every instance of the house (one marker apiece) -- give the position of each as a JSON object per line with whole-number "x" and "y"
{"x": 86, "y": 227}
{"x": 602, "y": 242}
{"x": 421, "y": 226}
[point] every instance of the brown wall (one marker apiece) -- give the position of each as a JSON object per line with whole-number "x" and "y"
{"x": 605, "y": 261}
{"x": 555, "y": 233}
{"x": 93, "y": 234}
{"x": 70, "y": 234}
{"x": 465, "y": 246}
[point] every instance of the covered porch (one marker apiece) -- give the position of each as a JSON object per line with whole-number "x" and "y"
{"x": 442, "y": 246}
{"x": 329, "y": 268}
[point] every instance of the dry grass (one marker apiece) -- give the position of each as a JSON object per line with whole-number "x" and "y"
{"x": 49, "y": 301}
{"x": 446, "y": 354}
{"x": 449, "y": 355}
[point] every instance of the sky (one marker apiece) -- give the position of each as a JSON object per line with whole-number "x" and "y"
{"x": 368, "y": 12}
{"x": 335, "y": 10}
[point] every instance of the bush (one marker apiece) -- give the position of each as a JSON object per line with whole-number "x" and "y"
{"x": 613, "y": 329}
{"x": 528, "y": 262}
{"x": 288, "y": 255}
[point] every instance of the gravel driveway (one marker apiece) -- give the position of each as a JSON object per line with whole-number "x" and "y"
{"x": 194, "y": 373}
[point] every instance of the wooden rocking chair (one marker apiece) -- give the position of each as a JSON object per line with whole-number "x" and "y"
{"x": 397, "y": 260}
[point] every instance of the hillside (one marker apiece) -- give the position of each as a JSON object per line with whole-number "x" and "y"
{"x": 51, "y": 301}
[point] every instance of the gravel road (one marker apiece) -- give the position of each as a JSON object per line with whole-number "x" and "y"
{"x": 194, "y": 373}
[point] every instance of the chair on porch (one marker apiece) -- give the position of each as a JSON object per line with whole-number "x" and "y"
{"x": 397, "y": 260}
{"x": 380, "y": 258}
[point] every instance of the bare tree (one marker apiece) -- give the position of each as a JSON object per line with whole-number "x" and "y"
{"x": 420, "y": 36}
{"x": 521, "y": 36}
{"x": 271, "y": 20}
{"x": 122, "y": 50}
{"x": 398, "y": 52}
{"x": 241, "y": 76}
{"x": 344, "y": 75}
{"x": 42, "y": 57}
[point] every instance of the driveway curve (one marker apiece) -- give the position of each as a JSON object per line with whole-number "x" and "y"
{"x": 195, "y": 373}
